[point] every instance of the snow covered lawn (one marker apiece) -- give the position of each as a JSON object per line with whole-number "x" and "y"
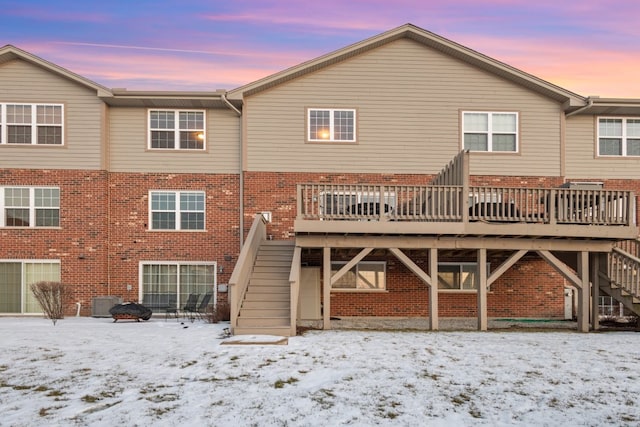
{"x": 87, "y": 371}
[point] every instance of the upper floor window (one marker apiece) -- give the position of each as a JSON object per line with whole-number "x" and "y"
{"x": 619, "y": 136}
{"x": 177, "y": 210}
{"x": 490, "y": 132}
{"x": 32, "y": 124}
{"x": 331, "y": 125}
{"x": 176, "y": 130}
{"x": 30, "y": 207}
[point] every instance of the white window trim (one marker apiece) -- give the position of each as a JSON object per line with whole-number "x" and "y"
{"x": 490, "y": 132}
{"x": 460, "y": 265}
{"x": 141, "y": 265}
{"x": 34, "y": 124}
{"x": 177, "y": 129}
{"x": 23, "y": 284}
{"x": 623, "y": 136}
{"x": 331, "y": 126}
{"x": 383, "y": 289}
{"x": 32, "y": 206}
{"x": 177, "y": 211}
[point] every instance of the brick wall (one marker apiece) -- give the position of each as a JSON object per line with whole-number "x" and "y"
{"x": 132, "y": 242}
{"x": 81, "y": 241}
{"x": 104, "y": 233}
{"x": 530, "y": 288}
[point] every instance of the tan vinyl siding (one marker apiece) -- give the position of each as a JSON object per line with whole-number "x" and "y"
{"x": 582, "y": 161}
{"x": 129, "y": 153}
{"x": 408, "y": 100}
{"x": 22, "y": 82}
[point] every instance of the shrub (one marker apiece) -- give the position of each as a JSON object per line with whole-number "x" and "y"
{"x": 221, "y": 312}
{"x": 51, "y": 296}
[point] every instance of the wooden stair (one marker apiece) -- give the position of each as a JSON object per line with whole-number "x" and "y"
{"x": 266, "y": 307}
{"x": 622, "y": 279}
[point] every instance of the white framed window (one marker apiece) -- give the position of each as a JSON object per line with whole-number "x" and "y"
{"x": 365, "y": 276}
{"x": 618, "y": 136}
{"x": 490, "y": 131}
{"x": 169, "y": 283}
{"x": 331, "y": 125}
{"x": 30, "y": 207}
{"x": 31, "y": 124}
{"x": 176, "y": 210}
{"x": 177, "y": 130}
{"x": 458, "y": 276}
{"x": 16, "y": 278}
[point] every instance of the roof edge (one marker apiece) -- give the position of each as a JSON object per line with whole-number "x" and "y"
{"x": 422, "y": 36}
{"x": 61, "y": 71}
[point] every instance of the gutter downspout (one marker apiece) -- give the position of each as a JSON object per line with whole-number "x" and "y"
{"x": 241, "y": 172}
{"x": 581, "y": 109}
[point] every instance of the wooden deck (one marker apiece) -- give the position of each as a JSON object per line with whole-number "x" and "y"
{"x": 460, "y": 210}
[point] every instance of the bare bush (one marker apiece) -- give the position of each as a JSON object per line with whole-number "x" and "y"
{"x": 51, "y": 296}
{"x": 221, "y": 312}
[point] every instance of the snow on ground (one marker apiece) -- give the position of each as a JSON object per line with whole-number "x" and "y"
{"x": 93, "y": 372}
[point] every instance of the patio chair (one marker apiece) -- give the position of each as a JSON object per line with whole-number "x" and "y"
{"x": 202, "y": 307}
{"x": 191, "y": 306}
{"x": 172, "y": 308}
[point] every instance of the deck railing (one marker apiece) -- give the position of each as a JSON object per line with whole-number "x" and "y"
{"x": 446, "y": 203}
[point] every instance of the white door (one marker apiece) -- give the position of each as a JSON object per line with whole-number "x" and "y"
{"x": 568, "y": 303}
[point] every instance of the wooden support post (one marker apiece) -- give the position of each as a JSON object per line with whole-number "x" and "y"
{"x": 433, "y": 289}
{"x": 482, "y": 290}
{"x": 595, "y": 295}
{"x": 326, "y": 282}
{"x": 583, "y": 292}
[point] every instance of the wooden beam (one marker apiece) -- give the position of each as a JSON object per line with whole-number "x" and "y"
{"x": 412, "y": 266}
{"x": 472, "y": 228}
{"x": 482, "y": 290}
{"x": 595, "y": 294}
{"x": 505, "y": 266}
{"x": 433, "y": 290}
{"x": 348, "y": 266}
{"x": 326, "y": 287}
{"x": 472, "y": 243}
{"x": 561, "y": 268}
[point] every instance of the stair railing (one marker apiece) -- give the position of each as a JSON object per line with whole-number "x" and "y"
{"x": 624, "y": 271}
{"x": 239, "y": 280}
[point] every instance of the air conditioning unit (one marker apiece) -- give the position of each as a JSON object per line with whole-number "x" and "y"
{"x": 580, "y": 185}
{"x": 100, "y": 306}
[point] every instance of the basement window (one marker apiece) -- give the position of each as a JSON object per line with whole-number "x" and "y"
{"x": 458, "y": 276}
{"x": 365, "y": 276}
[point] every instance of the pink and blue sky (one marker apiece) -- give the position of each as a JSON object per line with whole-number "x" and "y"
{"x": 591, "y": 47}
